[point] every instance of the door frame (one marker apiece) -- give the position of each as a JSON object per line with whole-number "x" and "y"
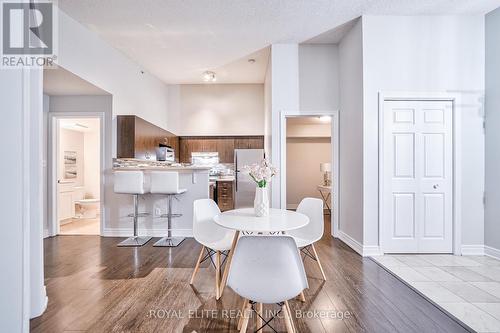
{"x": 454, "y": 98}
{"x": 334, "y": 197}
{"x": 53, "y": 139}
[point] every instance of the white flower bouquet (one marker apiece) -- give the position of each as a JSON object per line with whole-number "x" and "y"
{"x": 261, "y": 172}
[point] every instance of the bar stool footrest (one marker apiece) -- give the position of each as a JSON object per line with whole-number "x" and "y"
{"x": 169, "y": 242}
{"x": 139, "y": 215}
{"x": 135, "y": 241}
{"x": 173, "y": 215}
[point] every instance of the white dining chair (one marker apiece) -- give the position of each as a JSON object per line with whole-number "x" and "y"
{"x": 305, "y": 237}
{"x": 215, "y": 240}
{"x": 266, "y": 270}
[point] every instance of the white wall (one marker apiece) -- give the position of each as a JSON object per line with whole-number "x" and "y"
{"x": 92, "y": 162}
{"x": 319, "y": 77}
{"x": 83, "y": 53}
{"x": 268, "y": 110}
{"x": 221, "y": 109}
{"x": 21, "y": 250}
{"x": 492, "y": 184}
{"x": 426, "y": 54}
{"x": 351, "y": 134}
{"x": 284, "y": 97}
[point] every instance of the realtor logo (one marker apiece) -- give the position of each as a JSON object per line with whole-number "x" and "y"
{"x": 27, "y": 34}
{"x": 27, "y": 28}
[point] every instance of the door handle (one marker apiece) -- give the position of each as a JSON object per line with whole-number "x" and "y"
{"x": 435, "y": 186}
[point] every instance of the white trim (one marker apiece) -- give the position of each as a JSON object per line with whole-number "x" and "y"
{"x": 334, "y": 114}
{"x": 127, "y": 232}
{"x": 492, "y": 252}
{"x": 472, "y": 250}
{"x": 53, "y": 118}
{"x": 480, "y": 250}
{"x": 42, "y": 309}
{"x": 457, "y": 156}
{"x": 25, "y": 190}
{"x": 46, "y": 233}
{"x": 371, "y": 251}
{"x": 351, "y": 242}
{"x": 364, "y": 251}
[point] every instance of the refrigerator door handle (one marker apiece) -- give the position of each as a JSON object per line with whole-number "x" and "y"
{"x": 236, "y": 172}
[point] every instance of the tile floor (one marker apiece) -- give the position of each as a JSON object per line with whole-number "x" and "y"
{"x": 81, "y": 227}
{"x": 466, "y": 287}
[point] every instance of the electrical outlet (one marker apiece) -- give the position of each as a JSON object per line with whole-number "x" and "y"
{"x": 157, "y": 211}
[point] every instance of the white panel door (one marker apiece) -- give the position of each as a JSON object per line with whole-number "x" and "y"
{"x": 418, "y": 177}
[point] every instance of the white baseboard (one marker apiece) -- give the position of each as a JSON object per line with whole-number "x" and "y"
{"x": 472, "y": 250}
{"x": 45, "y": 233}
{"x": 126, "y": 232}
{"x": 492, "y": 252}
{"x": 371, "y": 250}
{"x": 363, "y": 250}
{"x": 351, "y": 242}
{"x": 39, "y": 310}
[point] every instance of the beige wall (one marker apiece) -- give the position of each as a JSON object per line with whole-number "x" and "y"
{"x": 307, "y": 146}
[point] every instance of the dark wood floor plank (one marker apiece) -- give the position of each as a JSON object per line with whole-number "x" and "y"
{"x": 94, "y": 286}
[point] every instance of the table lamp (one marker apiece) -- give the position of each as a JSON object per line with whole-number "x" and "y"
{"x": 326, "y": 168}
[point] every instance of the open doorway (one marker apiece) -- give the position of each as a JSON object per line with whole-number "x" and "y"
{"x": 77, "y": 164}
{"x": 309, "y": 161}
{"x": 76, "y": 140}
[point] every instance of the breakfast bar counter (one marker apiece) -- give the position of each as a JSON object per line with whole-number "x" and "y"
{"x": 194, "y": 179}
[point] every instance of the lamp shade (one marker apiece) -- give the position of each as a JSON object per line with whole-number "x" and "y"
{"x": 325, "y": 167}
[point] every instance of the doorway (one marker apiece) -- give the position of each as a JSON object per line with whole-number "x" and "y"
{"x": 417, "y": 176}
{"x": 76, "y": 168}
{"x": 309, "y": 161}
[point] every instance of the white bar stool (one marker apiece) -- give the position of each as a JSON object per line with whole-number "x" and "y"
{"x": 167, "y": 182}
{"x": 132, "y": 182}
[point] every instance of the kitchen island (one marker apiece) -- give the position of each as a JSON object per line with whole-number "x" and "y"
{"x": 195, "y": 179}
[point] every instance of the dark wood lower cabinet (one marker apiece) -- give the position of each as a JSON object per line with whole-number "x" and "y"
{"x": 225, "y": 195}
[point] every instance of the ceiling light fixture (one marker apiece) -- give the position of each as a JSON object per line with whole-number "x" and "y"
{"x": 252, "y": 61}
{"x": 325, "y": 119}
{"x": 209, "y": 76}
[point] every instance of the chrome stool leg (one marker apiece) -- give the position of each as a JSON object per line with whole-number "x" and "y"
{"x": 169, "y": 241}
{"x": 135, "y": 240}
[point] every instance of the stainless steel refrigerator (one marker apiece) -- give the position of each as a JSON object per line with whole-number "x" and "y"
{"x": 245, "y": 186}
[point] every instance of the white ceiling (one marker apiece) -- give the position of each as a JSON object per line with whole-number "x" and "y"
{"x": 307, "y": 120}
{"x": 177, "y": 40}
{"x": 58, "y": 81}
{"x": 80, "y": 124}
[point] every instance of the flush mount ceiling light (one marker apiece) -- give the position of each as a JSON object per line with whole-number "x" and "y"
{"x": 74, "y": 126}
{"x": 209, "y": 76}
{"x": 252, "y": 61}
{"x": 325, "y": 119}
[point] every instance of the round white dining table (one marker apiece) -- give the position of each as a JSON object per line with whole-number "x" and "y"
{"x": 245, "y": 220}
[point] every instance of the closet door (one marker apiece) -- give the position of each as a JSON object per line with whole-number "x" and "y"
{"x": 418, "y": 177}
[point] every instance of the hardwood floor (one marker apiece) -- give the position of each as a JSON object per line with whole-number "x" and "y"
{"x": 95, "y": 286}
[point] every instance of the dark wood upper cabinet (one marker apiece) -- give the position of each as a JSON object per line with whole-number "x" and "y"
{"x": 224, "y": 145}
{"x": 136, "y": 137}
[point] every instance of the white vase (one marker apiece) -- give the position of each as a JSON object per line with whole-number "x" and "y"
{"x": 261, "y": 202}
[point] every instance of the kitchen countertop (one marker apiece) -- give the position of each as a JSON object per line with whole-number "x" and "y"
{"x": 136, "y": 164}
{"x": 161, "y": 168}
{"x": 225, "y": 179}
